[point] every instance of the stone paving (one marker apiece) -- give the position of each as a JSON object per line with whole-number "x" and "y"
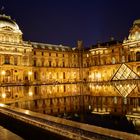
{"x": 8, "y": 135}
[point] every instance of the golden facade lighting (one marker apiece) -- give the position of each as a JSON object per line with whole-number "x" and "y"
{"x": 3, "y": 72}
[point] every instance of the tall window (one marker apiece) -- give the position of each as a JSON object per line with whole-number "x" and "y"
{"x": 64, "y": 75}
{"x": 123, "y": 59}
{"x": 64, "y": 88}
{"x": 35, "y": 75}
{"x": 15, "y": 60}
{"x": 36, "y": 91}
{"x": 138, "y": 69}
{"x": 50, "y": 63}
{"x": 25, "y": 59}
{"x": 138, "y": 56}
{"x": 129, "y": 58}
{"x": 63, "y": 64}
{"x": 95, "y": 60}
{"x": 112, "y": 50}
{"x": 34, "y": 62}
{"x": 104, "y": 61}
{"x": 7, "y": 59}
{"x": 56, "y": 63}
{"x": 43, "y": 62}
{"x": 87, "y": 64}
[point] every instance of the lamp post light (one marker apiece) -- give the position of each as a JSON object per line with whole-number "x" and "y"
{"x": 30, "y": 74}
{"x": 30, "y": 93}
{"x": 4, "y": 96}
{"x": 98, "y": 76}
{"x": 3, "y": 74}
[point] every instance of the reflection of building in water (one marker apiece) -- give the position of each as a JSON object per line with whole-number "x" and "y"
{"x": 108, "y": 73}
{"x": 134, "y": 117}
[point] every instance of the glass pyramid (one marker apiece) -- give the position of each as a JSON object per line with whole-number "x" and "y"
{"x": 122, "y": 74}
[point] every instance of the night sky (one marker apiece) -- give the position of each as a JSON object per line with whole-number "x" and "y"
{"x": 66, "y": 21}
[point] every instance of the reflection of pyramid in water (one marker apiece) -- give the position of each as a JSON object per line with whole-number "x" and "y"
{"x": 125, "y": 73}
{"x": 125, "y": 90}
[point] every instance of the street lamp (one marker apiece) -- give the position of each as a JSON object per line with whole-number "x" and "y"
{"x": 30, "y": 73}
{"x": 30, "y": 93}
{"x": 3, "y": 96}
{"x": 98, "y": 76}
{"x": 3, "y": 74}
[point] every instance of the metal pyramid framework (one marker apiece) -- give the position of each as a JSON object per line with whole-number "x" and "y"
{"x": 125, "y": 73}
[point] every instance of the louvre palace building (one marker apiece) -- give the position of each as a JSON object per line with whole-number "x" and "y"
{"x": 55, "y": 78}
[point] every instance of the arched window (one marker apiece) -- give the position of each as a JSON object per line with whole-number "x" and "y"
{"x": 138, "y": 56}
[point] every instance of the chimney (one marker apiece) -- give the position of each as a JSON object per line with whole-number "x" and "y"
{"x": 80, "y": 44}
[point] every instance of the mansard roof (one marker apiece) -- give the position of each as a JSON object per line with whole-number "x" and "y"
{"x": 45, "y": 46}
{"x": 106, "y": 44}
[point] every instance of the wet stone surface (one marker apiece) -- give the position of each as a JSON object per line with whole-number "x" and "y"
{"x": 8, "y": 135}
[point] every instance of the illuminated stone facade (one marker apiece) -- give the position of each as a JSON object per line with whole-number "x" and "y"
{"x": 30, "y": 63}
{"x": 108, "y": 69}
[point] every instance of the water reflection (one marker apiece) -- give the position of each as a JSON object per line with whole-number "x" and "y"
{"x": 67, "y": 101}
